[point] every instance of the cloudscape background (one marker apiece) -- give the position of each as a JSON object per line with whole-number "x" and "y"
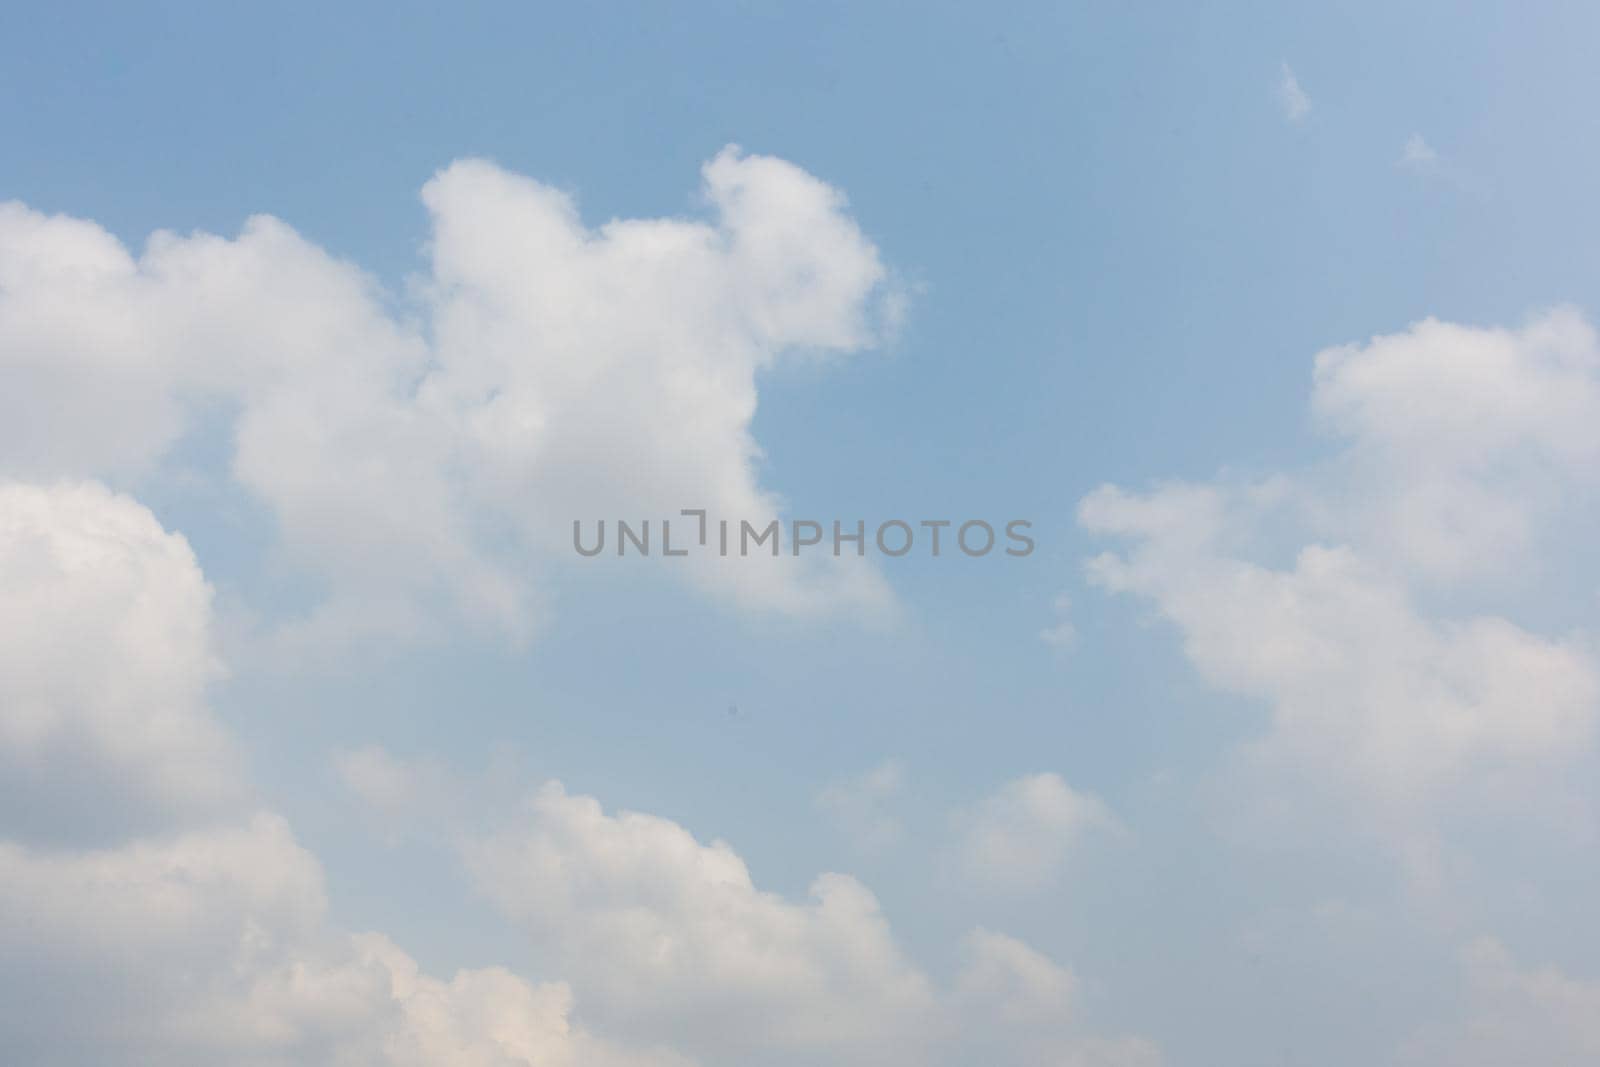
{"x": 319, "y": 744}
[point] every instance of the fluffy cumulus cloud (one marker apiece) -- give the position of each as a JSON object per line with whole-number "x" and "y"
{"x": 198, "y": 932}
{"x": 678, "y": 943}
{"x": 1464, "y": 446}
{"x": 213, "y": 946}
{"x": 1020, "y": 838}
{"x": 1356, "y": 600}
{"x": 193, "y": 930}
{"x": 667, "y": 939}
{"x": 429, "y": 454}
{"x": 1404, "y": 611}
{"x": 104, "y": 659}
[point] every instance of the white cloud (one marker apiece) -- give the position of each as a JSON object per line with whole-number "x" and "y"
{"x": 1293, "y": 99}
{"x": 1020, "y": 838}
{"x": 201, "y": 934}
{"x": 669, "y": 941}
{"x": 432, "y": 459}
{"x": 212, "y": 946}
{"x": 105, "y": 656}
{"x": 860, "y": 806}
{"x": 195, "y": 931}
{"x": 669, "y": 938}
{"x": 1361, "y": 684}
{"x": 1461, "y": 446}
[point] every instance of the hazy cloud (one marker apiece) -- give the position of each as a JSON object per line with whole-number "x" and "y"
{"x": 1293, "y": 99}
{"x": 1019, "y": 839}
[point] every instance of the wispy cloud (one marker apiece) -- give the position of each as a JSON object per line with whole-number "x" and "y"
{"x": 1296, "y": 104}
{"x": 861, "y": 806}
{"x": 1061, "y": 633}
{"x": 1420, "y": 158}
{"x": 1019, "y": 838}
{"x": 1418, "y": 154}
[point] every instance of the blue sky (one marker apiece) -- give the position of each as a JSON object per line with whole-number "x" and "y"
{"x": 1303, "y": 779}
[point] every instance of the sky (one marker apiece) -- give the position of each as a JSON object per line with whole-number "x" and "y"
{"x": 319, "y": 329}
